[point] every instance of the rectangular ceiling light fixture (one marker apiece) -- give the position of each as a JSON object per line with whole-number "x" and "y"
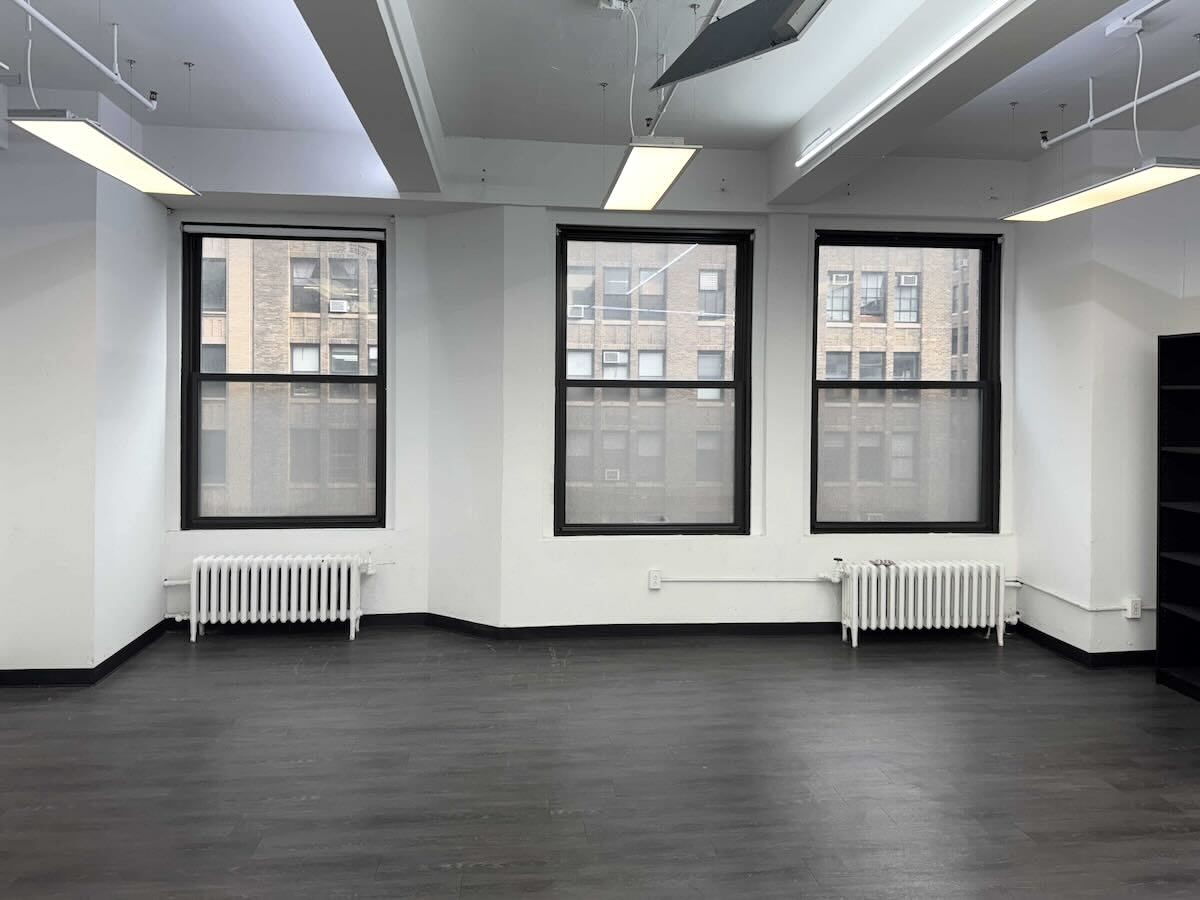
{"x": 1149, "y": 176}
{"x": 650, "y": 167}
{"x": 89, "y": 143}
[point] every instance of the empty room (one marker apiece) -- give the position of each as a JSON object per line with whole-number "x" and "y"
{"x": 600, "y": 449}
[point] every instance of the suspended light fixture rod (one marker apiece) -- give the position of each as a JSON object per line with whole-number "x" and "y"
{"x": 112, "y": 74}
{"x": 1121, "y": 110}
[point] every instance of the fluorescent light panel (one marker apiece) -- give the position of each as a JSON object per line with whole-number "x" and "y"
{"x": 647, "y": 172}
{"x": 1149, "y": 176}
{"x": 89, "y": 143}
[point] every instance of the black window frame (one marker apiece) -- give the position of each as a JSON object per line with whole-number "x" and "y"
{"x": 987, "y": 384}
{"x": 192, "y": 380}
{"x": 739, "y": 384}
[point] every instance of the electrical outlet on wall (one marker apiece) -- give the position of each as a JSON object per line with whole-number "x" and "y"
{"x": 654, "y": 582}
{"x": 1133, "y": 607}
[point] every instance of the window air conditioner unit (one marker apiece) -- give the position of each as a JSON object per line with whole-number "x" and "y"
{"x": 576, "y": 311}
{"x": 909, "y": 280}
{"x": 841, "y": 278}
{"x": 339, "y": 306}
{"x": 613, "y": 357}
{"x": 612, "y": 474}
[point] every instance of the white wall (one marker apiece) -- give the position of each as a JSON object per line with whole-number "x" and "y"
{"x": 130, "y": 385}
{"x": 401, "y": 549}
{"x": 47, "y": 405}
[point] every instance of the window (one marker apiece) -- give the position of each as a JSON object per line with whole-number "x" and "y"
{"x": 283, "y": 423}
{"x": 372, "y": 289}
{"x": 841, "y": 297}
{"x": 866, "y": 475}
{"x": 904, "y": 453}
{"x": 674, "y": 462}
{"x": 870, "y": 368}
{"x": 580, "y": 363}
{"x": 710, "y": 463}
{"x": 616, "y": 295}
{"x": 874, "y": 297}
{"x": 651, "y": 456}
{"x": 710, "y": 366}
{"x": 908, "y": 297}
{"x": 306, "y": 284}
{"x": 652, "y": 295}
{"x": 712, "y": 294}
{"x": 581, "y": 292}
{"x": 214, "y": 288}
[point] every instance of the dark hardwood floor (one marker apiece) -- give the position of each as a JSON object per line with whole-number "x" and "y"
{"x": 423, "y": 763}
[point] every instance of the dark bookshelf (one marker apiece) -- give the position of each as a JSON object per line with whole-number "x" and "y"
{"x": 1178, "y": 590}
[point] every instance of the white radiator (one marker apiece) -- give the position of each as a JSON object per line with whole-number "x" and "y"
{"x": 894, "y": 595}
{"x": 275, "y": 589}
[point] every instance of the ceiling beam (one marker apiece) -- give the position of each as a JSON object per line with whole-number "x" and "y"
{"x": 371, "y": 47}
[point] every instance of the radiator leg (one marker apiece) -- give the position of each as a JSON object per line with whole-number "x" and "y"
{"x": 1000, "y": 632}
{"x": 845, "y": 631}
{"x": 201, "y": 628}
{"x": 352, "y": 625}
{"x": 193, "y": 629}
{"x": 854, "y": 636}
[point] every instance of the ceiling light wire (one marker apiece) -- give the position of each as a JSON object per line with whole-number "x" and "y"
{"x": 633, "y": 68}
{"x": 1137, "y": 91}
{"x": 1012, "y": 150}
{"x": 29, "y": 60}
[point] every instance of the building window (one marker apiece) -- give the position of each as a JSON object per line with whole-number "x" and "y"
{"x": 343, "y": 284}
{"x": 712, "y": 295}
{"x": 213, "y": 285}
{"x": 616, "y": 295}
{"x": 580, "y": 363}
{"x": 581, "y": 293}
{"x": 710, "y": 366}
{"x": 874, "y": 297}
{"x": 635, "y": 486}
{"x": 866, "y": 476}
{"x": 372, "y": 290}
{"x": 840, "y": 300}
{"x": 908, "y": 297}
{"x": 904, "y": 456}
{"x": 306, "y": 284}
{"x": 283, "y": 455}
{"x": 652, "y": 295}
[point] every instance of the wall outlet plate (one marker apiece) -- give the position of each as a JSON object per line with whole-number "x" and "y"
{"x": 654, "y": 581}
{"x": 1133, "y": 607}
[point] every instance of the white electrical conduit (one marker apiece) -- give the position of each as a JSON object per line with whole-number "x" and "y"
{"x": 113, "y": 74}
{"x": 1120, "y": 110}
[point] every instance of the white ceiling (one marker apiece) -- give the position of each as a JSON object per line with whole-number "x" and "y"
{"x": 530, "y": 69}
{"x": 257, "y": 64}
{"x": 982, "y": 129}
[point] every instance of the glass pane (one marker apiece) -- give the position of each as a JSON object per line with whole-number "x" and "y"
{"x": 266, "y": 452}
{"x": 667, "y": 462}
{"x": 278, "y": 292}
{"x": 898, "y": 303}
{"x": 653, "y": 297}
{"x": 913, "y": 456}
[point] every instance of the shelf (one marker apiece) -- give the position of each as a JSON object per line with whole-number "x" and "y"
{"x": 1179, "y": 609}
{"x": 1194, "y": 451}
{"x": 1185, "y": 680}
{"x": 1191, "y": 559}
{"x": 1181, "y": 506}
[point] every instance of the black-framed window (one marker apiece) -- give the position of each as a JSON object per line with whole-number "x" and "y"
{"x": 840, "y": 300}
{"x": 215, "y": 284}
{"x": 677, "y": 461}
{"x": 286, "y": 429}
{"x": 652, "y": 294}
{"x": 925, "y": 455}
{"x": 908, "y": 297}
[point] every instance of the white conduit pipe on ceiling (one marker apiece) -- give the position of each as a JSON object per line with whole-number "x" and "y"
{"x": 113, "y": 74}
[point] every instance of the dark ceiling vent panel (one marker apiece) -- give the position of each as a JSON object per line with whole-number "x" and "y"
{"x": 750, "y": 31}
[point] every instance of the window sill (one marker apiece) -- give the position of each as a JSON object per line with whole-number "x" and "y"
{"x": 910, "y": 325}
{"x": 872, "y": 324}
{"x": 839, "y": 324}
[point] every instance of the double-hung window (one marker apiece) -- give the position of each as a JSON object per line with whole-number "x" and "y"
{"x": 654, "y": 438}
{"x": 906, "y": 440}
{"x": 283, "y": 405}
